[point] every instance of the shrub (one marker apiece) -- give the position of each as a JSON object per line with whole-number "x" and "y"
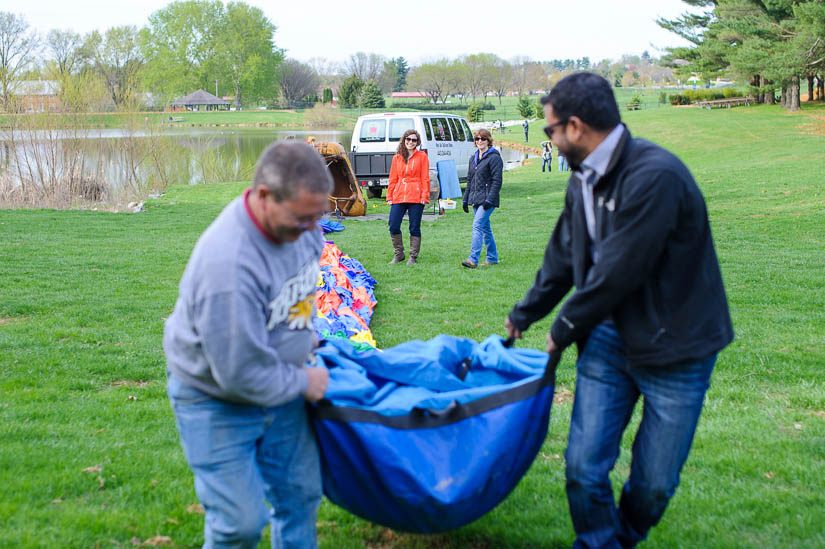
{"x": 635, "y": 102}
{"x": 371, "y": 96}
{"x": 525, "y": 107}
{"x": 439, "y": 107}
{"x": 475, "y": 112}
{"x": 663, "y": 98}
{"x": 321, "y": 115}
{"x": 539, "y": 111}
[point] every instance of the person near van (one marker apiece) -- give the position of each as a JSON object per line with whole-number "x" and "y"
{"x": 237, "y": 346}
{"x": 407, "y": 193}
{"x": 482, "y": 193}
{"x": 546, "y": 156}
{"x": 526, "y": 127}
{"x": 647, "y": 310}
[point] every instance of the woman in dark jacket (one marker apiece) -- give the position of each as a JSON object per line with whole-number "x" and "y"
{"x": 483, "y": 186}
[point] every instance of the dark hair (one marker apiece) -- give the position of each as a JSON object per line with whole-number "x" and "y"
{"x": 588, "y": 96}
{"x": 286, "y": 167}
{"x": 402, "y": 150}
{"x": 486, "y": 135}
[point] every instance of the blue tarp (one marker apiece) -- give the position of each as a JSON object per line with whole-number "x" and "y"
{"x": 448, "y": 179}
{"x": 407, "y": 443}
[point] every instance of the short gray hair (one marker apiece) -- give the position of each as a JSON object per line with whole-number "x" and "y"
{"x": 284, "y": 168}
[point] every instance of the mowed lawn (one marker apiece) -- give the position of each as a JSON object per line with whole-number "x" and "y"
{"x": 89, "y": 455}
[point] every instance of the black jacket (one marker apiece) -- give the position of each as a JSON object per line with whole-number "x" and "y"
{"x": 484, "y": 179}
{"x": 657, "y": 274}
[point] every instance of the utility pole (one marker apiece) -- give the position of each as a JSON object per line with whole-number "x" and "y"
{"x": 216, "y": 87}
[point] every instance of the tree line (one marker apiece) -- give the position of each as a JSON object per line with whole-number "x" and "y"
{"x": 230, "y": 49}
{"x": 772, "y": 44}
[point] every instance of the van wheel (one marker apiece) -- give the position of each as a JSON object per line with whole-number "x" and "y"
{"x": 374, "y": 192}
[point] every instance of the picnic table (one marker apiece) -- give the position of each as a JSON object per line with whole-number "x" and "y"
{"x": 727, "y": 103}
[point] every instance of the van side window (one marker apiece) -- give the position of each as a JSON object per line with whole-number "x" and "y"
{"x": 467, "y": 130}
{"x": 458, "y": 131}
{"x": 441, "y": 129}
{"x": 373, "y": 130}
{"x": 427, "y": 128}
{"x": 398, "y": 126}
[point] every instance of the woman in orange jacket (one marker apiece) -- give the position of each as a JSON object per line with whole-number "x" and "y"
{"x": 408, "y": 192}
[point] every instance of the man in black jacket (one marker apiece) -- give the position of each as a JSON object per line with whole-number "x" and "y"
{"x": 648, "y": 313}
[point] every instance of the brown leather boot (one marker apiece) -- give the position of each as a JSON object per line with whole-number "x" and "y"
{"x": 415, "y": 246}
{"x": 398, "y": 245}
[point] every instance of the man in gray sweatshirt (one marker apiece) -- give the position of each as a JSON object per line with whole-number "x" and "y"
{"x": 237, "y": 346}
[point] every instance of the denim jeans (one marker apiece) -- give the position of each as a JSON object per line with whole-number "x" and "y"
{"x": 414, "y": 211}
{"x": 607, "y": 388}
{"x": 482, "y": 233}
{"x": 242, "y": 455}
{"x": 547, "y": 162}
{"x": 563, "y": 165}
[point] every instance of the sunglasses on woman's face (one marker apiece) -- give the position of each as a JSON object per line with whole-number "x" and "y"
{"x": 411, "y": 139}
{"x": 481, "y": 139}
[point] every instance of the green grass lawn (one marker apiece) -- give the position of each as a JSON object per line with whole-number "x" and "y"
{"x": 90, "y": 456}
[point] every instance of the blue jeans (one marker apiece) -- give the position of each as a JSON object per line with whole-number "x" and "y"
{"x": 242, "y": 455}
{"x": 607, "y": 388}
{"x": 414, "y": 211}
{"x": 482, "y": 233}
{"x": 563, "y": 165}
{"x": 547, "y": 162}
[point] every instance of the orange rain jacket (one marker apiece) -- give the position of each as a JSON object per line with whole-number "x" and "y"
{"x": 409, "y": 181}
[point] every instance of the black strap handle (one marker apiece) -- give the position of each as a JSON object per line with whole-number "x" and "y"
{"x": 451, "y": 408}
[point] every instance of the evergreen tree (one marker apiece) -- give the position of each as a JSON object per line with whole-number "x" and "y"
{"x": 525, "y": 107}
{"x": 327, "y": 95}
{"x": 402, "y": 69}
{"x": 349, "y": 93}
{"x": 371, "y": 97}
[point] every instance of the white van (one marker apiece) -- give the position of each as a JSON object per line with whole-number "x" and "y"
{"x": 376, "y": 136}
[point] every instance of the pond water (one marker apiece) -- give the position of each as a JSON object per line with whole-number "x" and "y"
{"x": 178, "y": 155}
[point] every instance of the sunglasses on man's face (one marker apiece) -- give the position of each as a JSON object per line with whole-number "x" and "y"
{"x": 548, "y": 130}
{"x": 411, "y": 139}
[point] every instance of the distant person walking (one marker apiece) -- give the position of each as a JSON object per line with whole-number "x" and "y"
{"x": 408, "y": 192}
{"x": 482, "y": 193}
{"x": 563, "y": 165}
{"x": 632, "y": 250}
{"x": 526, "y": 127}
{"x": 546, "y": 156}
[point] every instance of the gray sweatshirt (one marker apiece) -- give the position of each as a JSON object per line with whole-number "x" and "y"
{"x": 241, "y": 330}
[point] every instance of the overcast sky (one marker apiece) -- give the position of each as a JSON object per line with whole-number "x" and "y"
{"x": 420, "y": 31}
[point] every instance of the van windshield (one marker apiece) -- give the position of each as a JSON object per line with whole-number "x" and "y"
{"x": 373, "y": 130}
{"x": 398, "y": 126}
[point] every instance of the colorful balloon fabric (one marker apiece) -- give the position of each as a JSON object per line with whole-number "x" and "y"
{"x": 344, "y": 300}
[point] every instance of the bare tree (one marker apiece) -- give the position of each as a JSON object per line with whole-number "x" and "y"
{"x": 480, "y": 73}
{"x": 298, "y": 80}
{"x": 117, "y": 58}
{"x": 434, "y": 79}
{"x": 18, "y": 48}
{"x": 501, "y": 77}
{"x": 64, "y": 47}
{"x": 365, "y": 66}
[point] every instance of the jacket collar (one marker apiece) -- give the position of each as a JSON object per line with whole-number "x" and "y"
{"x": 487, "y": 154}
{"x": 619, "y": 151}
{"x": 617, "y": 154}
